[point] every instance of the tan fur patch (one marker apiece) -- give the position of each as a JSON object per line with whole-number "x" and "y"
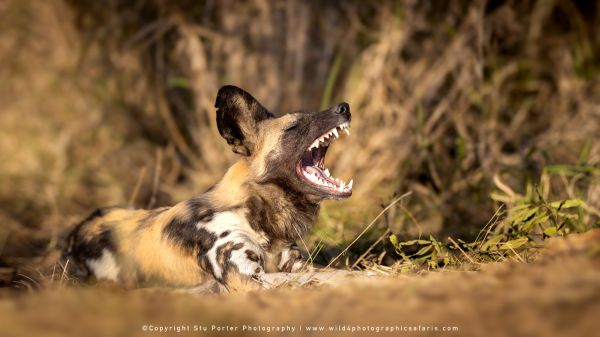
{"x": 269, "y": 142}
{"x": 230, "y": 190}
{"x": 144, "y": 252}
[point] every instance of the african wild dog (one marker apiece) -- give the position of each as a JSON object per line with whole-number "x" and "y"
{"x": 241, "y": 228}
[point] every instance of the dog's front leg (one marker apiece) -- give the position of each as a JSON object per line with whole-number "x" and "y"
{"x": 291, "y": 261}
{"x": 236, "y": 265}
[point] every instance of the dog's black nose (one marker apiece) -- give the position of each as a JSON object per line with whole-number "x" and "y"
{"x": 343, "y": 109}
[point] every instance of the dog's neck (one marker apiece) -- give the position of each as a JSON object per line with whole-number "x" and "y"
{"x": 272, "y": 208}
{"x": 280, "y": 213}
{"x": 230, "y": 190}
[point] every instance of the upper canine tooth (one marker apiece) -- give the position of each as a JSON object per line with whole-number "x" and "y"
{"x": 335, "y": 132}
{"x": 327, "y": 172}
{"x": 347, "y": 132}
{"x": 350, "y": 183}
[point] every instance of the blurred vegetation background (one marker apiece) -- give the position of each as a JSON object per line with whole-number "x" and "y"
{"x": 471, "y": 105}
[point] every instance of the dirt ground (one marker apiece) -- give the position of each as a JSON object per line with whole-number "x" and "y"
{"x": 80, "y": 127}
{"x": 556, "y": 295}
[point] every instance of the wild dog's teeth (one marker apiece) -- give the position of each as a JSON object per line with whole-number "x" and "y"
{"x": 350, "y": 183}
{"x": 347, "y": 132}
{"x": 335, "y": 132}
{"x": 327, "y": 172}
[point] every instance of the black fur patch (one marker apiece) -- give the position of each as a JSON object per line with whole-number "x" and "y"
{"x": 224, "y": 234}
{"x": 183, "y": 230}
{"x": 92, "y": 248}
{"x": 200, "y": 210}
{"x": 237, "y": 110}
{"x": 252, "y": 256}
{"x": 224, "y": 258}
{"x": 80, "y": 247}
{"x": 206, "y": 240}
{"x": 188, "y": 236}
{"x": 206, "y": 265}
{"x": 185, "y": 234}
{"x": 294, "y": 255}
{"x": 284, "y": 217}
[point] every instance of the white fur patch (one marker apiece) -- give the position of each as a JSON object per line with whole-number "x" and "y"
{"x": 239, "y": 232}
{"x": 244, "y": 265}
{"x": 105, "y": 267}
{"x": 285, "y": 256}
{"x": 235, "y": 222}
{"x": 222, "y": 221}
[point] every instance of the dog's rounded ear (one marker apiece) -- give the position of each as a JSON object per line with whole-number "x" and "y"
{"x": 238, "y": 115}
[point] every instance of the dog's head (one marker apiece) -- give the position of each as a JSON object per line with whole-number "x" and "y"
{"x": 288, "y": 150}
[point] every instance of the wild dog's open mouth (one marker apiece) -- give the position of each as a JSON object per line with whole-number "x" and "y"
{"x": 312, "y": 168}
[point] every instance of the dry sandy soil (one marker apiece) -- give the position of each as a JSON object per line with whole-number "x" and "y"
{"x": 68, "y": 143}
{"x": 556, "y": 295}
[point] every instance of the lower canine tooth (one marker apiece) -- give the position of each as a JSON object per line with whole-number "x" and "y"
{"x": 350, "y": 183}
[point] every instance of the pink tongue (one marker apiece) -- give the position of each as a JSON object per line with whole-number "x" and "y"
{"x": 312, "y": 169}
